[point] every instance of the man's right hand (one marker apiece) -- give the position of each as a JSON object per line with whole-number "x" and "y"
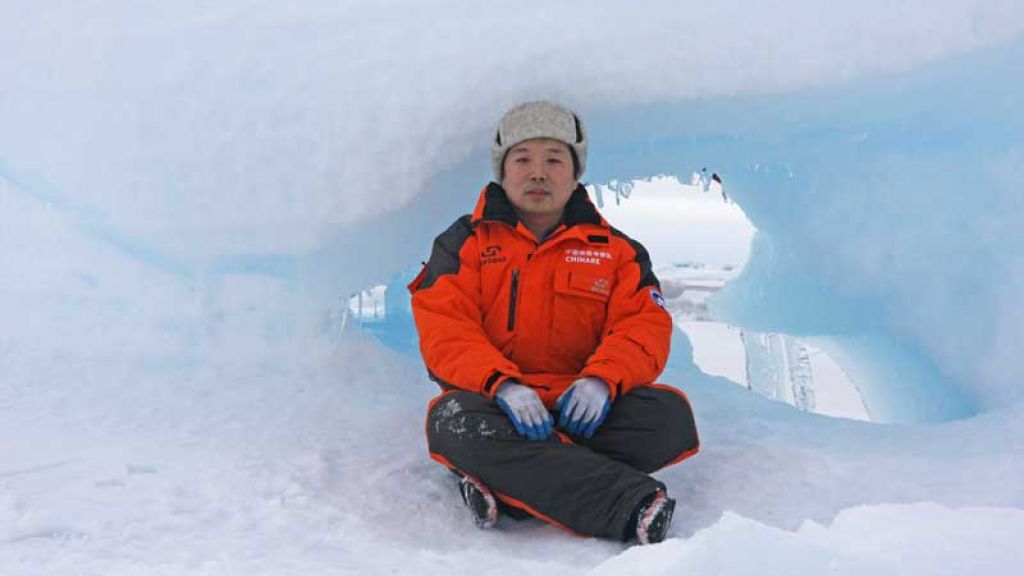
{"x": 524, "y": 408}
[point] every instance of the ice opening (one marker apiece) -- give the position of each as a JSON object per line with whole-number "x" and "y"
{"x": 699, "y": 239}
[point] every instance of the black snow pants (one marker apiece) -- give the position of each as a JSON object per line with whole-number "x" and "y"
{"x": 588, "y": 486}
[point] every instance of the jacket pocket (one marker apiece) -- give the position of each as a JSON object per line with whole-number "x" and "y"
{"x": 578, "y": 318}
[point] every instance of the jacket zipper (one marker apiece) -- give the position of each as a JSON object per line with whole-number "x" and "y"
{"x": 513, "y": 295}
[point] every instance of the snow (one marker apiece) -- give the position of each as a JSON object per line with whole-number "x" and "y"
{"x": 920, "y": 539}
{"x": 188, "y": 191}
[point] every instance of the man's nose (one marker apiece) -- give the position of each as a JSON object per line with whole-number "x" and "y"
{"x": 537, "y": 172}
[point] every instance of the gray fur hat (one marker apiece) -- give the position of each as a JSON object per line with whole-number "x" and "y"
{"x": 539, "y": 119}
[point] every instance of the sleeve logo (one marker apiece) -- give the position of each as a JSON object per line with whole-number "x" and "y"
{"x": 658, "y": 299}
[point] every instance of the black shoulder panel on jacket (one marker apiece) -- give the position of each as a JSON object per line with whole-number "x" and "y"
{"x": 498, "y": 207}
{"x": 643, "y": 259}
{"x": 444, "y": 256}
{"x": 579, "y": 210}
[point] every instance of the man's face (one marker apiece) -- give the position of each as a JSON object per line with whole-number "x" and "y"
{"x": 539, "y": 177}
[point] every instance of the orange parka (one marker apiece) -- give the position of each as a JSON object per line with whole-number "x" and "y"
{"x": 493, "y": 303}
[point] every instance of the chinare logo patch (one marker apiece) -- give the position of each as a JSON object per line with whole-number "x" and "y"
{"x": 601, "y": 286}
{"x": 492, "y": 254}
{"x": 578, "y": 256}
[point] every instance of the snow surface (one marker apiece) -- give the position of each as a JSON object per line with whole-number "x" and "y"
{"x": 918, "y": 540}
{"x": 186, "y": 189}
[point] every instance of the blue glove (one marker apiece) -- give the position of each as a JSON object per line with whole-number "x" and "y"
{"x": 524, "y": 408}
{"x": 584, "y": 406}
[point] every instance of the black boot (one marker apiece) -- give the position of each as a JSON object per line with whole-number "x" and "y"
{"x": 480, "y": 501}
{"x": 653, "y": 518}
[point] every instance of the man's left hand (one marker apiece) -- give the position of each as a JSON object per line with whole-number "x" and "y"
{"x": 584, "y": 406}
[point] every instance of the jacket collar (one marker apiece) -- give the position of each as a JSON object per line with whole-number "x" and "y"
{"x": 494, "y": 206}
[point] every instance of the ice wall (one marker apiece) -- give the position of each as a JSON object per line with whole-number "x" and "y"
{"x": 248, "y": 128}
{"x": 886, "y": 209}
{"x": 321, "y": 146}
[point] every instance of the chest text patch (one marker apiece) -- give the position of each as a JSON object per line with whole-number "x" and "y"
{"x": 582, "y": 256}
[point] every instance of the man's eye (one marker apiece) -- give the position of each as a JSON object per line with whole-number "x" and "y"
{"x": 554, "y": 160}
{"x": 520, "y": 160}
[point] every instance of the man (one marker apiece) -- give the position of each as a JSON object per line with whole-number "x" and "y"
{"x": 546, "y": 329}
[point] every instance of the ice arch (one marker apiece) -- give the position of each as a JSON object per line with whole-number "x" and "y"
{"x": 886, "y": 209}
{"x": 887, "y": 205}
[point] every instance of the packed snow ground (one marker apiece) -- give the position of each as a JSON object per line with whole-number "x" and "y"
{"x": 186, "y": 189}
